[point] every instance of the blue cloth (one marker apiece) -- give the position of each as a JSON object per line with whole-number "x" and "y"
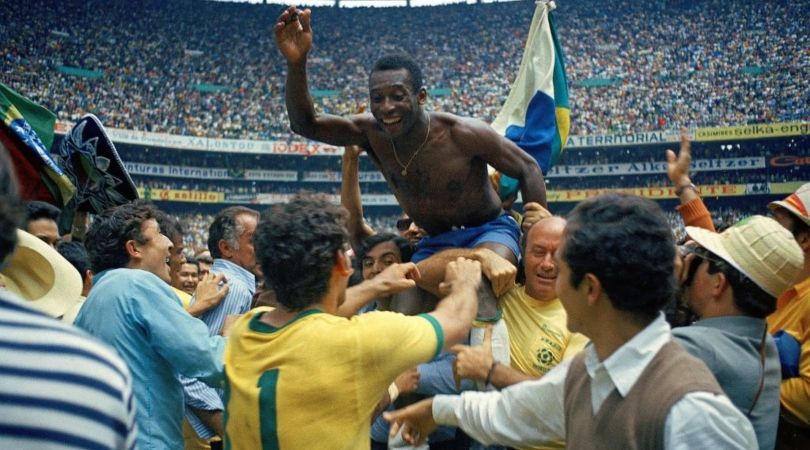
{"x": 503, "y": 230}
{"x": 139, "y": 315}
{"x": 241, "y": 287}
{"x": 790, "y": 351}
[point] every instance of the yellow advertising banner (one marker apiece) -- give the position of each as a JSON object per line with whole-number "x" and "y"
{"x": 785, "y": 188}
{"x": 174, "y": 195}
{"x": 764, "y": 130}
{"x": 654, "y": 193}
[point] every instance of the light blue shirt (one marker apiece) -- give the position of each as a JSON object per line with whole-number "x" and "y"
{"x": 139, "y": 315}
{"x": 241, "y": 287}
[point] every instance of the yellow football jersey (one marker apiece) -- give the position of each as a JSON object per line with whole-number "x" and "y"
{"x": 538, "y": 336}
{"x": 314, "y": 382}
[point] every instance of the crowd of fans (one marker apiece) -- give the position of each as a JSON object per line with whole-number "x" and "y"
{"x": 212, "y": 69}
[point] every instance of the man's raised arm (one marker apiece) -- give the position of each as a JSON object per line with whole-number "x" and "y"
{"x": 293, "y": 32}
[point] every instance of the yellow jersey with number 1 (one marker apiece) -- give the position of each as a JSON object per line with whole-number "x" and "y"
{"x": 314, "y": 382}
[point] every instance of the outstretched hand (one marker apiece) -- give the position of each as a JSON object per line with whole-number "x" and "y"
{"x": 678, "y": 166}
{"x": 416, "y": 421}
{"x": 473, "y": 363}
{"x": 398, "y": 277}
{"x": 294, "y": 34}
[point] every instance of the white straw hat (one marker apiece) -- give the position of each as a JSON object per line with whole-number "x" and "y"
{"x": 38, "y": 273}
{"x": 758, "y": 247}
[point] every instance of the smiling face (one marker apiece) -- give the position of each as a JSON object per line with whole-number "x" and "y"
{"x": 395, "y": 104}
{"x": 187, "y": 278}
{"x": 153, "y": 252}
{"x": 542, "y": 240}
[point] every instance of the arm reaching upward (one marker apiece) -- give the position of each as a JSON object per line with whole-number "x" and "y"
{"x": 350, "y": 197}
{"x": 293, "y": 32}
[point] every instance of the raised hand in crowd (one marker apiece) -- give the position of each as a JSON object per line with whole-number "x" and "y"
{"x": 294, "y": 34}
{"x": 532, "y": 213}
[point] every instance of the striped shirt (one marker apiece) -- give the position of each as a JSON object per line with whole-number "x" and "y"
{"x": 59, "y": 389}
{"x": 242, "y": 286}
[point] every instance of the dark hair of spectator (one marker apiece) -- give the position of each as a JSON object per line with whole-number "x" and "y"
{"x": 11, "y": 212}
{"x": 76, "y": 254}
{"x": 748, "y": 296}
{"x": 401, "y": 61}
{"x": 626, "y": 243}
{"x": 296, "y": 245}
{"x": 224, "y": 227}
{"x": 192, "y": 260}
{"x": 170, "y": 227}
{"x": 110, "y": 231}
{"x": 797, "y": 226}
{"x": 36, "y": 210}
{"x": 405, "y": 248}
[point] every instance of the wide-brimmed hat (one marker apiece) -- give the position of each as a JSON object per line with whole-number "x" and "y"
{"x": 797, "y": 203}
{"x": 760, "y": 248}
{"x": 91, "y": 162}
{"x": 38, "y": 273}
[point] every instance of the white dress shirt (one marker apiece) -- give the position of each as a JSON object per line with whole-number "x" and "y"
{"x": 532, "y": 412}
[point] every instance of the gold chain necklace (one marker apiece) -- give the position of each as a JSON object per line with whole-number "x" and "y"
{"x": 404, "y": 171}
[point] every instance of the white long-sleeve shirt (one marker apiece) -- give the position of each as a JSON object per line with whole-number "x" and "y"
{"x": 532, "y": 412}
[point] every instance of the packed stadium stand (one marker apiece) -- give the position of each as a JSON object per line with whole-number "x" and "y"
{"x": 202, "y": 68}
{"x": 192, "y": 91}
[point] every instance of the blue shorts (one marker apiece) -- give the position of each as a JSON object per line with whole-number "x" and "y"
{"x": 503, "y": 230}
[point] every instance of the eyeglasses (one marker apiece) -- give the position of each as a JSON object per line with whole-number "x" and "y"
{"x": 404, "y": 223}
{"x": 704, "y": 255}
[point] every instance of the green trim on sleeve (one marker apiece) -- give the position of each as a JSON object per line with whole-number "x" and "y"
{"x": 439, "y": 333}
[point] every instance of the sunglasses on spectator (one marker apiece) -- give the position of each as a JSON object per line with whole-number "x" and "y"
{"x": 404, "y": 224}
{"x": 702, "y": 254}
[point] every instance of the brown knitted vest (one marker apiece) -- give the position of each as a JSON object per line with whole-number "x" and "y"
{"x": 636, "y": 421}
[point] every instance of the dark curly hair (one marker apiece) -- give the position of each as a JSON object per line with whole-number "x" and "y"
{"x": 76, "y": 254}
{"x": 107, "y": 236}
{"x": 296, "y": 244}
{"x": 11, "y": 212}
{"x": 400, "y": 61}
{"x": 36, "y": 210}
{"x": 626, "y": 242}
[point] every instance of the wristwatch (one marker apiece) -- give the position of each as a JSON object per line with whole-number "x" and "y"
{"x": 679, "y": 190}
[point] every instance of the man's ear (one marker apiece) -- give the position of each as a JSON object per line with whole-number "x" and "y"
{"x": 594, "y": 288}
{"x": 719, "y": 283}
{"x": 421, "y": 97}
{"x": 343, "y": 264}
{"x": 132, "y": 249}
{"x": 224, "y": 249}
{"x": 803, "y": 239}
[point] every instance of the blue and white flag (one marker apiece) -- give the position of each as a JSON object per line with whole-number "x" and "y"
{"x": 536, "y": 116}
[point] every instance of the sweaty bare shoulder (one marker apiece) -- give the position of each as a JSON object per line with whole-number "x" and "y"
{"x": 473, "y": 135}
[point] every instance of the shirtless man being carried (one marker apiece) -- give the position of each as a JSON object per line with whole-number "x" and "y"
{"x": 435, "y": 163}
